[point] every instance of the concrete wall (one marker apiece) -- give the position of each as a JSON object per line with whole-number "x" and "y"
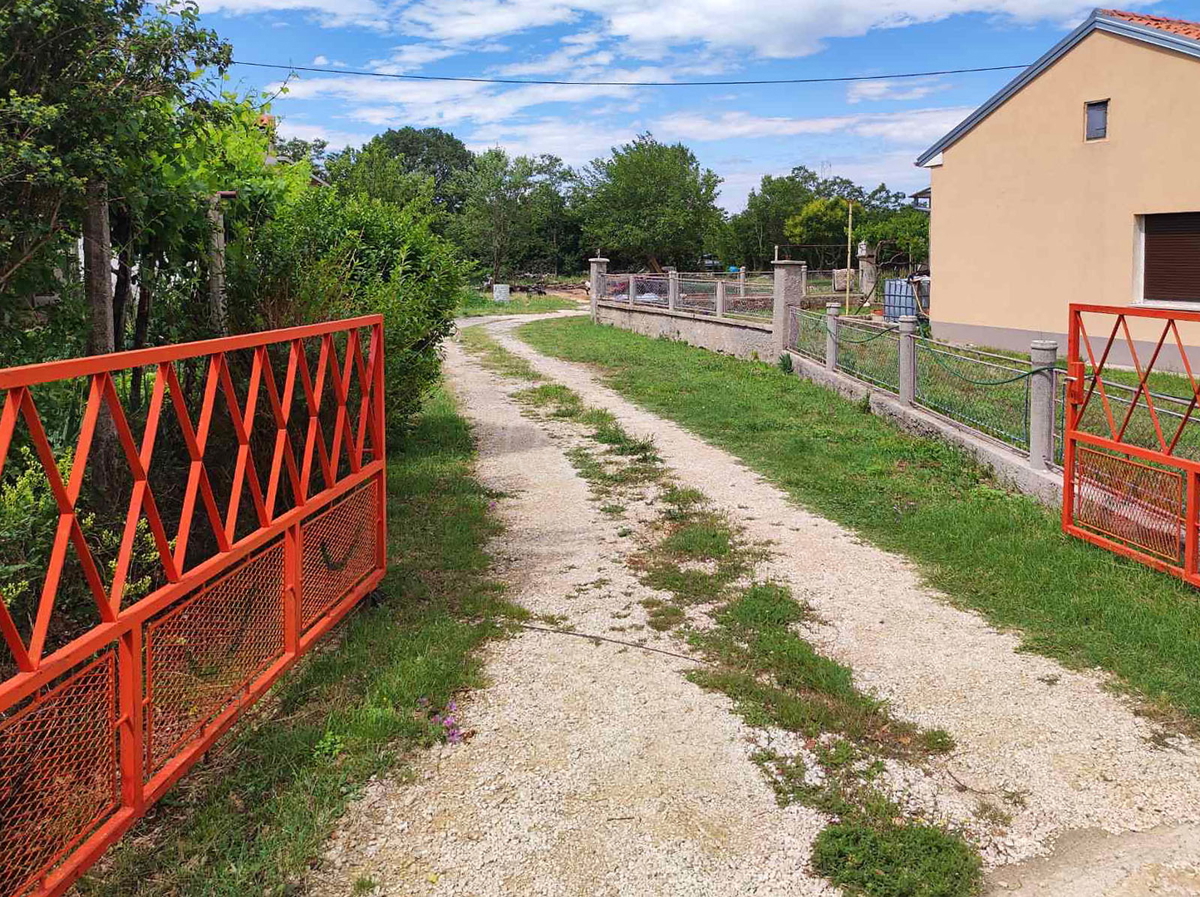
{"x": 743, "y": 339}
{"x": 1028, "y": 216}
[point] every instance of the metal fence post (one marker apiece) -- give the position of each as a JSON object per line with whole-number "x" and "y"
{"x": 1043, "y": 353}
{"x": 832, "y": 309}
{"x": 672, "y": 289}
{"x": 908, "y": 358}
{"x": 599, "y": 270}
{"x": 720, "y": 298}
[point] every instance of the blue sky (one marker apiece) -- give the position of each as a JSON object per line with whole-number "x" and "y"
{"x": 869, "y": 132}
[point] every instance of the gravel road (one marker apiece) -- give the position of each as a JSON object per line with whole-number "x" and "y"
{"x": 599, "y": 769}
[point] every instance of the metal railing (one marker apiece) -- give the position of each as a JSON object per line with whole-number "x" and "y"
{"x": 869, "y": 352}
{"x": 268, "y": 449}
{"x": 986, "y": 391}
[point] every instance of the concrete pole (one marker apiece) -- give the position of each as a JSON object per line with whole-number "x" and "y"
{"x": 599, "y": 269}
{"x": 216, "y": 266}
{"x": 1042, "y": 352}
{"x": 789, "y": 291}
{"x": 672, "y": 289}
{"x": 721, "y": 286}
{"x": 832, "y": 309}
{"x": 908, "y": 359}
{"x": 804, "y": 280}
{"x": 632, "y": 287}
{"x": 742, "y": 282}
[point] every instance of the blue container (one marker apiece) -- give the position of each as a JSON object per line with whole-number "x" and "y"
{"x": 899, "y": 298}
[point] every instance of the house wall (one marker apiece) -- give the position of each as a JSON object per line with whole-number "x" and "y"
{"x": 1028, "y": 216}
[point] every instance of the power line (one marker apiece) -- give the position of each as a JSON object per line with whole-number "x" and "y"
{"x": 838, "y": 80}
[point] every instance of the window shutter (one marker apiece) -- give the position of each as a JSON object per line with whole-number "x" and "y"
{"x": 1172, "y": 257}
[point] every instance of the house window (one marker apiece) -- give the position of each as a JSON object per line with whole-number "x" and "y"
{"x": 1097, "y": 120}
{"x": 1171, "y": 258}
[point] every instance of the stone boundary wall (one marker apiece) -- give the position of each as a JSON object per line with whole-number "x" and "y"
{"x": 729, "y": 336}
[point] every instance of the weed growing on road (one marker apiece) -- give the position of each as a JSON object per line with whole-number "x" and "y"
{"x": 493, "y": 356}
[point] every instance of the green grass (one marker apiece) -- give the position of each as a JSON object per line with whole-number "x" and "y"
{"x": 474, "y": 304}
{"x": 251, "y": 818}
{"x": 495, "y": 357}
{"x": 999, "y": 553}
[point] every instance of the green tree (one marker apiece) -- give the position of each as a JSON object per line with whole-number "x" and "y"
{"x": 81, "y": 82}
{"x": 821, "y": 221}
{"x": 650, "y": 203}
{"x": 375, "y": 171}
{"x": 904, "y": 233}
{"x": 433, "y": 152}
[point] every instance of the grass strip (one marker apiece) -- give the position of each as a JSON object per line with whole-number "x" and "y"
{"x": 996, "y": 552}
{"x": 251, "y": 819}
{"x": 474, "y": 304}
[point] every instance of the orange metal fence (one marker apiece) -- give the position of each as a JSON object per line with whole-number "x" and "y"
{"x": 272, "y": 481}
{"x": 1131, "y": 461}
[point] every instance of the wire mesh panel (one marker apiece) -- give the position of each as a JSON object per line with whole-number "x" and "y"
{"x": 651, "y": 289}
{"x": 614, "y": 287}
{"x": 1131, "y": 502}
{"x": 234, "y": 444}
{"x": 58, "y": 772}
{"x": 809, "y": 333}
{"x": 338, "y": 552}
{"x": 202, "y": 652}
{"x": 986, "y": 391}
{"x": 754, "y": 298}
{"x": 698, "y": 296}
{"x": 1130, "y": 439}
{"x": 869, "y": 352}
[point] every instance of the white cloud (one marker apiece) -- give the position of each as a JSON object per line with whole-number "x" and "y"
{"x": 336, "y": 139}
{"x": 410, "y": 57}
{"x": 771, "y": 28}
{"x": 568, "y": 139}
{"x": 913, "y": 89}
{"x": 918, "y": 127}
{"x": 320, "y": 60}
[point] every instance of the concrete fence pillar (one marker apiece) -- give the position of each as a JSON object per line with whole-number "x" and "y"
{"x": 742, "y": 282}
{"x": 804, "y": 280}
{"x": 908, "y": 359}
{"x": 788, "y": 293}
{"x": 721, "y": 286}
{"x": 672, "y": 289}
{"x": 1043, "y": 353}
{"x": 632, "y": 288}
{"x": 599, "y": 268}
{"x": 833, "y": 308}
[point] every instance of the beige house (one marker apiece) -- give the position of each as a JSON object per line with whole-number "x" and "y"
{"x": 1078, "y": 182}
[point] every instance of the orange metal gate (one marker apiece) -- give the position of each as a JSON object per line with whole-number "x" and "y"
{"x": 1131, "y": 448}
{"x": 194, "y": 622}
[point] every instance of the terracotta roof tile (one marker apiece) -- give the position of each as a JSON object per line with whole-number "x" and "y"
{"x": 1174, "y": 26}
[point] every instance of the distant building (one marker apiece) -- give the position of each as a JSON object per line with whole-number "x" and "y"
{"x": 1077, "y": 182}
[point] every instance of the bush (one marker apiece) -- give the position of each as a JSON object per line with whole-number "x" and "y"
{"x": 326, "y": 255}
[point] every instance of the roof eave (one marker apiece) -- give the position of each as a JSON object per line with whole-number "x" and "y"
{"x": 1094, "y": 22}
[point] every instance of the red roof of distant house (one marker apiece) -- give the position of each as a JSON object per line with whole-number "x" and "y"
{"x": 1175, "y": 26}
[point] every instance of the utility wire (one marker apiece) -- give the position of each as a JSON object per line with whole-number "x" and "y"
{"x": 838, "y": 80}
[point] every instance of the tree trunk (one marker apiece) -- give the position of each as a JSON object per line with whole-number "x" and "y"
{"x": 97, "y": 279}
{"x": 97, "y": 269}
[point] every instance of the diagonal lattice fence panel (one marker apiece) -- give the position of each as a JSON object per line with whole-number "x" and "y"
{"x": 164, "y": 511}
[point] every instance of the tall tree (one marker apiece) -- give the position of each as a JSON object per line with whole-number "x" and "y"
{"x": 650, "y": 202}
{"x": 430, "y": 151}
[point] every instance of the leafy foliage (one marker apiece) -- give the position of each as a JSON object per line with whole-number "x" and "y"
{"x": 650, "y": 203}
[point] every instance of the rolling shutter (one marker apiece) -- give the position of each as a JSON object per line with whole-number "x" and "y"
{"x": 1172, "y": 257}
